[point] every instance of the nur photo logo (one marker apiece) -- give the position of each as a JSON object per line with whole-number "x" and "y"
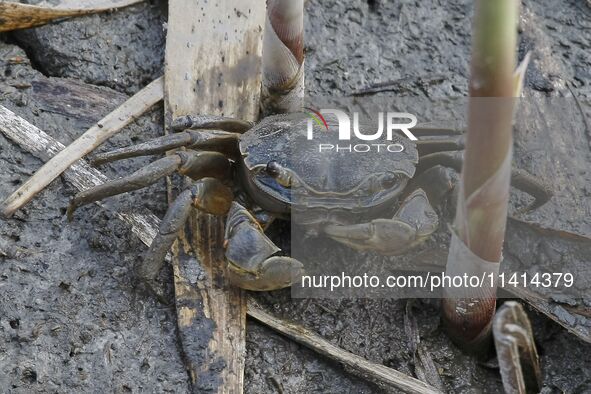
{"x": 390, "y": 126}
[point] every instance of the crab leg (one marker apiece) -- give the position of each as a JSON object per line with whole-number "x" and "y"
{"x": 197, "y": 165}
{"x": 436, "y": 182}
{"x": 529, "y": 184}
{"x": 211, "y": 122}
{"x": 412, "y": 224}
{"x": 253, "y": 263}
{"x": 438, "y": 139}
{"x": 219, "y": 141}
{"x": 428, "y": 146}
{"x": 152, "y": 147}
{"x": 208, "y": 132}
{"x": 426, "y": 131}
{"x": 520, "y": 179}
{"x": 208, "y": 195}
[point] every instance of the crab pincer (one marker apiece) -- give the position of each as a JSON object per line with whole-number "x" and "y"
{"x": 254, "y": 262}
{"x": 516, "y": 350}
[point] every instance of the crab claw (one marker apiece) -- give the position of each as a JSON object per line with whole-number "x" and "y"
{"x": 414, "y": 222}
{"x": 251, "y": 255}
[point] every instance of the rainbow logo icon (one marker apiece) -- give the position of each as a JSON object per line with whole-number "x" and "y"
{"x": 317, "y": 117}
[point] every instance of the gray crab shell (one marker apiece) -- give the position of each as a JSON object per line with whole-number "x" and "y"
{"x": 330, "y": 177}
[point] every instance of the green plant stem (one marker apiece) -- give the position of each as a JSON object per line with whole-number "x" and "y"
{"x": 481, "y": 220}
{"x": 490, "y": 120}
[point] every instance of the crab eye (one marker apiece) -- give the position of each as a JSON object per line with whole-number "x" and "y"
{"x": 389, "y": 180}
{"x": 273, "y": 168}
{"x": 279, "y": 173}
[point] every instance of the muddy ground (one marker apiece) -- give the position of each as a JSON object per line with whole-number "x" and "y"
{"x": 70, "y": 318}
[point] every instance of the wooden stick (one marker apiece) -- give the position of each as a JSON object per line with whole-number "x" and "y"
{"x": 213, "y": 69}
{"x": 86, "y": 143}
{"x": 372, "y": 372}
{"x": 81, "y": 175}
{"x": 22, "y": 16}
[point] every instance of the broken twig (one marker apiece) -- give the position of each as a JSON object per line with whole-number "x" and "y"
{"x": 405, "y": 84}
{"x": 372, "y": 372}
{"x": 86, "y": 143}
{"x": 425, "y": 368}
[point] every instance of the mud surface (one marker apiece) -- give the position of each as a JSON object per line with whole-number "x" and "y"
{"x": 70, "y": 317}
{"x": 102, "y": 49}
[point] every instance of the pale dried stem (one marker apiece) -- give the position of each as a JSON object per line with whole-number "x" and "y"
{"x": 86, "y": 143}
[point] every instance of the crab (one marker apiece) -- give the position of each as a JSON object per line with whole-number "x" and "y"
{"x": 246, "y": 171}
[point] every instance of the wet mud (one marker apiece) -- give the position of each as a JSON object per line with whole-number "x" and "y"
{"x": 71, "y": 318}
